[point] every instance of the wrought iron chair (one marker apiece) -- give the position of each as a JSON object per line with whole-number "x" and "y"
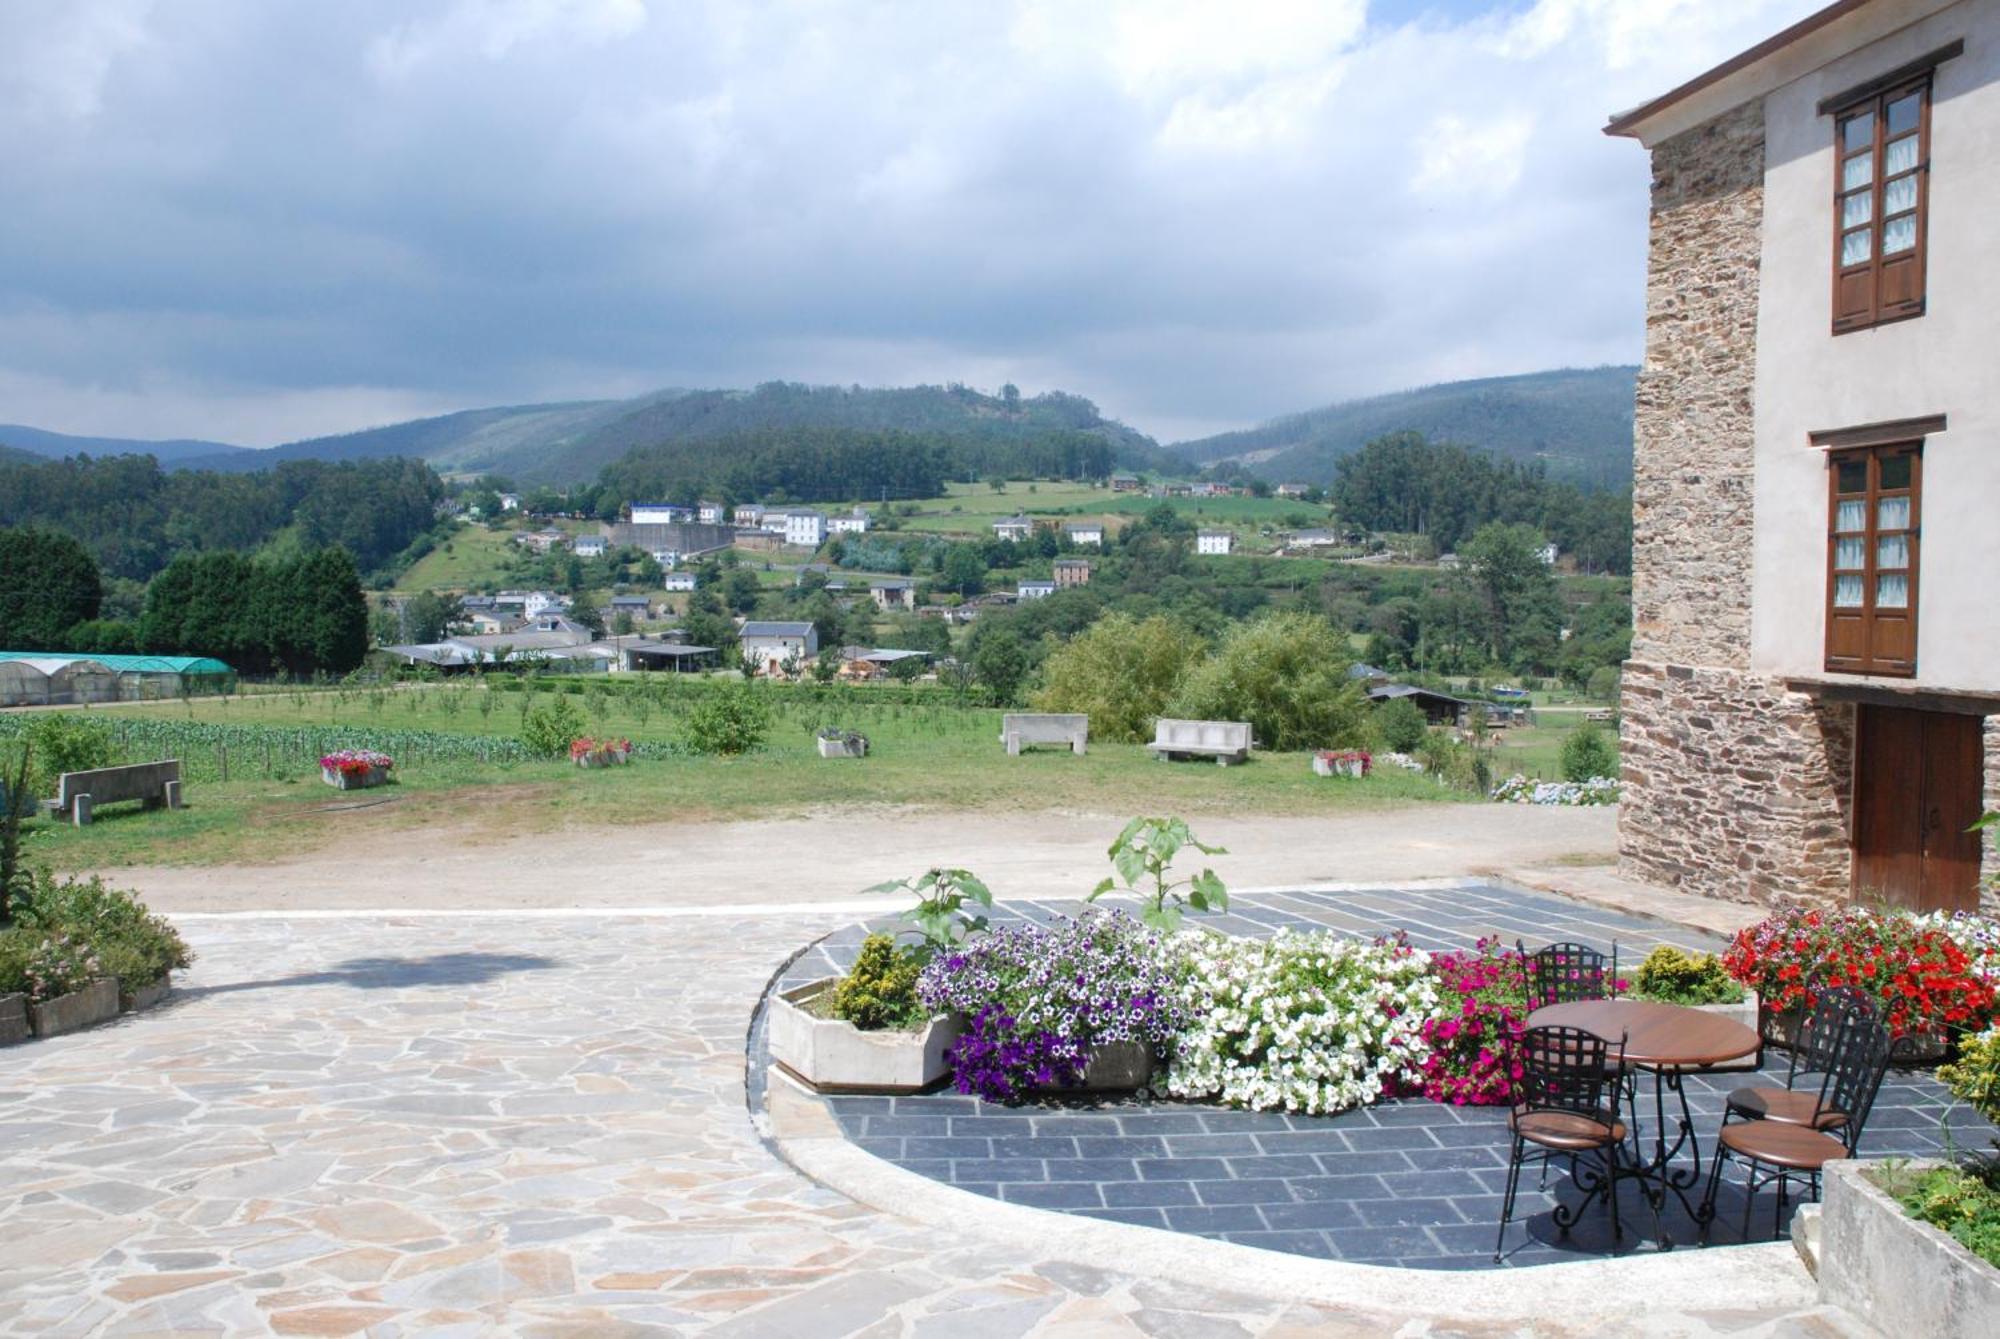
{"x": 1560, "y": 1110}
{"x": 1567, "y": 972}
{"x": 1819, "y": 1035}
{"x": 1860, "y": 1056}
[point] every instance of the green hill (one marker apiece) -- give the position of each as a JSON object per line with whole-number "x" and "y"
{"x": 1578, "y": 422}
{"x": 45, "y": 445}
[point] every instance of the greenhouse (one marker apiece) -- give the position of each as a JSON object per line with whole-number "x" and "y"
{"x": 34, "y": 678}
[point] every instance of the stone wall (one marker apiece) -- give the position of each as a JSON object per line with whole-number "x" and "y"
{"x": 1693, "y": 443}
{"x": 1733, "y": 787}
{"x": 1989, "y": 897}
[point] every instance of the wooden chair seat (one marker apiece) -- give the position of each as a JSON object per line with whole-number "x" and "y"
{"x": 1775, "y": 1144}
{"x": 1786, "y": 1106}
{"x": 1567, "y": 1130}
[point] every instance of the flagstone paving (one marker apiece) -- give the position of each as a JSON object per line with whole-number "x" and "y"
{"x": 531, "y": 1125}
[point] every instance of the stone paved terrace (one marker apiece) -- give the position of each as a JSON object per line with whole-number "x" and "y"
{"x": 1411, "y": 1183}
{"x": 537, "y": 1124}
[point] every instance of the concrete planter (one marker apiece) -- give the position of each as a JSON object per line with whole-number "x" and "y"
{"x": 1118, "y": 1067}
{"x": 1331, "y": 765}
{"x": 1901, "y": 1276}
{"x": 145, "y": 997}
{"x": 835, "y": 1056}
{"x": 604, "y": 758}
{"x": 844, "y": 746}
{"x": 95, "y": 1003}
{"x": 14, "y": 1019}
{"x": 339, "y": 780}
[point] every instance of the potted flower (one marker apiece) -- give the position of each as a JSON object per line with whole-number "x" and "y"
{"x": 1087, "y": 1004}
{"x": 1927, "y": 986}
{"x": 1343, "y": 762}
{"x": 587, "y": 752}
{"x": 872, "y": 1030}
{"x": 355, "y": 769}
{"x": 842, "y": 744}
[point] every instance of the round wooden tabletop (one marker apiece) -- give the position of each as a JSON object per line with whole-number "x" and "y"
{"x": 1667, "y": 1035}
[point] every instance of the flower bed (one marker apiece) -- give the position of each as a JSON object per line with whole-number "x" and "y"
{"x": 1519, "y": 789}
{"x": 1482, "y": 1007}
{"x": 355, "y": 769}
{"x": 1929, "y": 988}
{"x": 588, "y": 752}
{"x": 1040, "y": 999}
{"x": 77, "y": 946}
{"x": 1343, "y": 762}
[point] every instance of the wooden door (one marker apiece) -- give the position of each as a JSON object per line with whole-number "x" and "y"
{"x": 1917, "y": 792}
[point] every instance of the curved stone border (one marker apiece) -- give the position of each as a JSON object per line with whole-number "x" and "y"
{"x": 1722, "y": 1278}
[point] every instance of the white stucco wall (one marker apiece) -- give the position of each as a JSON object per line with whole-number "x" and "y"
{"x": 1944, "y": 362}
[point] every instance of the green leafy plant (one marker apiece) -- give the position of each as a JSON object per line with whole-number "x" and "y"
{"x": 730, "y": 720}
{"x": 939, "y": 918}
{"x": 65, "y": 741}
{"x": 1143, "y": 854}
{"x": 549, "y": 731}
{"x": 1586, "y": 753}
{"x": 137, "y": 946}
{"x": 1674, "y": 976}
{"x": 14, "y": 802}
{"x": 1974, "y": 1077}
{"x": 880, "y": 990}
{"x": 1961, "y": 1201}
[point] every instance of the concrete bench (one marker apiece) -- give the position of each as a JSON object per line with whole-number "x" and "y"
{"x": 1224, "y": 741}
{"x": 1019, "y": 730}
{"x": 157, "y": 784}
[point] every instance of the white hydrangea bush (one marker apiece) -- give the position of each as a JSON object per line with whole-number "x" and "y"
{"x": 1314, "y": 1023}
{"x": 1519, "y": 789}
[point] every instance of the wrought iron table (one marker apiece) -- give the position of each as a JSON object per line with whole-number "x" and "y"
{"x": 1668, "y": 1040}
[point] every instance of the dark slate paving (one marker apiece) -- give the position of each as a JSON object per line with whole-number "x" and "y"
{"x": 1408, "y": 1182}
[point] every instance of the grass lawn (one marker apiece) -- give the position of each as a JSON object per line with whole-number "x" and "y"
{"x": 1537, "y": 750}
{"x": 932, "y": 757}
{"x": 471, "y": 557}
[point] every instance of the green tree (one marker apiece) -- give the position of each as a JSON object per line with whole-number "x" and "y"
{"x": 1122, "y": 672}
{"x": 1400, "y": 725}
{"x": 1522, "y": 606}
{"x": 1001, "y": 663}
{"x": 1587, "y": 753}
{"x": 48, "y": 584}
{"x": 963, "y": 569}
{"x": 430, "y": 616}
{"x": 550, "y": 730}
{"x": 1286, "y": 674}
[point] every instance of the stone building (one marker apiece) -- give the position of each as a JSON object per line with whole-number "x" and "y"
{"x": 1809, "y": 711}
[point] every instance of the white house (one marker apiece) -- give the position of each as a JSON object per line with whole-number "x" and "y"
{"x": 1035, "y": 590}
{"x": 1013, "y": 527}
{"x": 665, "y": 557}
{"x": 510, "y": 502}
{"x": 770, "y": 645}
{"x": 1812, "y": 704}
{"x": 805, "y": 528}
{"x": 660, "y": 513}
{"x": 590, "y": 546}
{"x": 709, "y": 513}
{"x": 678, "y": 581}
{"x": 1290, "y": 490}
{"x": 748, "y": 513}
{"x": 534, "y": 603}
{"x": 1086, "y": 532}
{"x": 1214, "y": 541}
{"x": 1548, "y": 554}
{"x": 855, "y": 522}
{"x": 775, "y": 522}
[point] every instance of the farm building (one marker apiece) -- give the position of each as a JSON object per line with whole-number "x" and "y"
{"x": 53, "y": 678}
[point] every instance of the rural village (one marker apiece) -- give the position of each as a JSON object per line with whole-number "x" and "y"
{"x": 1516, "y": 856}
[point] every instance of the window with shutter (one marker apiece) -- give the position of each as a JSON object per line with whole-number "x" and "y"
{"x": 1881, "y": 200}
{"x": 1872, "y": 541}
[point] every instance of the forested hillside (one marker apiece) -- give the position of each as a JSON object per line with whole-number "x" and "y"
{"x": 1577, "y": 423}
{"x": 509, "y": 439}
{"x": 135, "y": 517}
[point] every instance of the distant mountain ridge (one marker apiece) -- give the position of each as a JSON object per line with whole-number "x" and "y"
{"x": 1575, "y": 421}
{"x": 55, "y": 445}
{"x": 570, "y": 442}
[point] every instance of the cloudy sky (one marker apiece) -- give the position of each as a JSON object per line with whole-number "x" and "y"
{"x": 256, "y": 220}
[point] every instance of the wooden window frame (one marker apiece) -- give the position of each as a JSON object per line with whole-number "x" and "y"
{"x": 1871, "y": 660}
{"x": 1875, "y": 100}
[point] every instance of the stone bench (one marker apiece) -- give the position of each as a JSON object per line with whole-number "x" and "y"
{"x": 156, "y": 784}
{"x": 1224, "y": 741}
{"x": 1019, "y": 730}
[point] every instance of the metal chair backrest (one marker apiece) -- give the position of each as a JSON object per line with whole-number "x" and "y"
{"x": 1563, "y": 1069}
{"x": 1565, "y": 972}
{"x": 1821, "y": 1030}
{"x": 1854, "y": 1074}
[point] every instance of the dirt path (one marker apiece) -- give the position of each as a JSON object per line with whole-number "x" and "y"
{"x": 830, "y": 856}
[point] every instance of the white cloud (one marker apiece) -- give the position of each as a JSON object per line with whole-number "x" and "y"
{"x": 1193, "y": 213}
